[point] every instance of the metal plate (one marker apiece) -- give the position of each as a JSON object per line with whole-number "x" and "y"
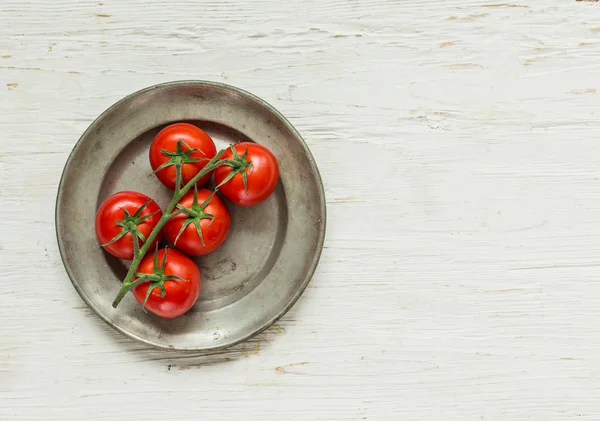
{"x": 270, "y": 254}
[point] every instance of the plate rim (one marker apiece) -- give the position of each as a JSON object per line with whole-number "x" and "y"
{"x": 321, "y": 228}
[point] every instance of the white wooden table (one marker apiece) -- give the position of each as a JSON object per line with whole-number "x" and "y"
{"x": 459, "y": 144}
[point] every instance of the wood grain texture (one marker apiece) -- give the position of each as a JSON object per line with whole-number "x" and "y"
{"x": 458, "y": 142}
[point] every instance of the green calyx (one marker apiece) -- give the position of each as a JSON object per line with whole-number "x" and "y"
{"x": 156, "y": 279}
{"x": 194, "y": 215}
{"x": 180, "y": 157}
{"x": 239, "y": 165}
{"x": 130, "y": 224}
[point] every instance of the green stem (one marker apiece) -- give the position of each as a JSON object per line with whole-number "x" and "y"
{"x": 128, "y": 283}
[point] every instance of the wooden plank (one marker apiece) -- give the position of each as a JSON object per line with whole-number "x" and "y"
{"x": 458, "y": 142}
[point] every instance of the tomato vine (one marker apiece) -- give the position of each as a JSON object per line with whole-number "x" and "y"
{"x": 180, "y": 191}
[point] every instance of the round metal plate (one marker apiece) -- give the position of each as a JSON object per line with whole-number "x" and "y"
{"x": 270, "y": 254}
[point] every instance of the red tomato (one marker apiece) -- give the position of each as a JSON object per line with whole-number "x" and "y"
{"x": 192, "y": 137}
{"x": 204, "y": 213}
{"x": 176, "y": 287}
{"x": 123, "y": 215}
{"x": 252, "y": 163}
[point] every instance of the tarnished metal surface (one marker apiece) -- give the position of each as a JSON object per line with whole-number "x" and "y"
{"x": 270, "y": 254}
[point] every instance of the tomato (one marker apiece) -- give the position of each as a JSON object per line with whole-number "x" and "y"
{"x": 252, "y": 175}
{"x": 123, "y": 215}
{"x": 192, "y": 163}
{"x": 202, "y": 226}
{"x": 173, "y": 283}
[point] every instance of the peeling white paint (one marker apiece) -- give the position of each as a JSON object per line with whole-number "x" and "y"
{"x": 459, "y": 144}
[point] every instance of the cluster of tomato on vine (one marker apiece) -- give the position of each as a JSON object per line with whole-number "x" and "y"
{"x": 196, "y": 221}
